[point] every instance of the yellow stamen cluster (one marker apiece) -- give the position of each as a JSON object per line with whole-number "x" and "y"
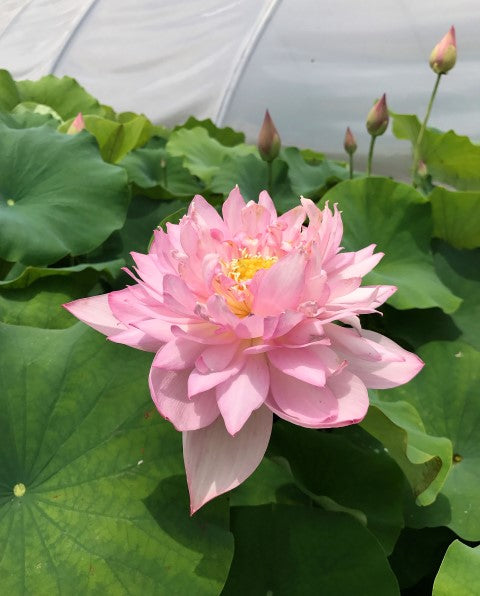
{"x": 240, "y": 271}
{"x": 244, "y": 268}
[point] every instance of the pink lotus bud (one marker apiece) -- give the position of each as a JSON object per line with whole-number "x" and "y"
{"x": 349, "y": 143}
{"x": 444, "y": 54}
{"x": 77, "y": 125}
{"x": 377, "y": 119}
{"x": 422, "y": 169}
{"x": 268, "y": 140}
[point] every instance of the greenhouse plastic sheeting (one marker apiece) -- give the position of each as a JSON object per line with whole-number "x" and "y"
{"x": 317, "y": 66}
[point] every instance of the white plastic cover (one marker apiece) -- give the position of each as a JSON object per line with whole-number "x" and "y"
{"x": 318, "y": 66}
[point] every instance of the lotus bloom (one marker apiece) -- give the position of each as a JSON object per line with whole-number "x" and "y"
{"x": 77, "y": 125}
{"x": 377, "y": 118}
{"x": 251, "y": 315}
{"x": 444, "y": 54}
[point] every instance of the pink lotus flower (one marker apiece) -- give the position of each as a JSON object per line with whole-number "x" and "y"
{"x": 242, "y": 314}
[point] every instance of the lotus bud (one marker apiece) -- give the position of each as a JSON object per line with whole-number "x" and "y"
{"x": 377, "y": 119}
{"x": 422, "y": 169}
{"x": 444, "y": 54}
{"x": 268, "y": 140}
{"x": 349, "y": 143}
{"x": 77, "y": 125}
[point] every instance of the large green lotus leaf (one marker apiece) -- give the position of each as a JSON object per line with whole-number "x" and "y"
{"x": 271, "y": 482}
{"x": 57, "y": 196}
{"x": 27, "y": 119}
{"x": 151, "y": 167}
{"x": 93, "y": 498}
{"x": 418, "y": 554}
{"x": 355, "y": 478}
{"x": 64, "y": 95}
{"x": 447, "y": 395}
{"x": 424, "y": 459}
{"x": 450, "y": 158}
{"x": 459, "y": 573}
{"x": 226, "y": 136}
{"x": 456, "y": 217}
{"x": 398, "y": 219}
{"x": 9, "y": 95}
{"x": 36, "y": 296}
{"x": 251, "y": 175}
{"x": 312, "y": 180}
{"x": 202, "y": 155}
{"x": 288, "y": 550}
{"x": 116, "y": 139}
{"x": 460, "y": 271}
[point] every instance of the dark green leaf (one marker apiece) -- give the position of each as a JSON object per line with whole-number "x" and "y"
{"x": 294, "y": 551}
{"x": 355, "y": 478}
{"x": 460, "y": 271}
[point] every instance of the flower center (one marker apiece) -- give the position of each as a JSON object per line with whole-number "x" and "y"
{"x": 244, "y": 268}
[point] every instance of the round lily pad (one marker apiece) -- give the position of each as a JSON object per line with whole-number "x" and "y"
{"x": 57, "y": 196}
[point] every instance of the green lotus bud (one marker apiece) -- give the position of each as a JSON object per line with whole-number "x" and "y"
{"x": 349, "y": 143}
{"x": 377, "y": 119}
{"x": 268, "y": 140}
{"x": 444, "y": 54}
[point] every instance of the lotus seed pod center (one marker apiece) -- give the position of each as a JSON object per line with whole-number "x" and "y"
{"x": 19, "y": 490}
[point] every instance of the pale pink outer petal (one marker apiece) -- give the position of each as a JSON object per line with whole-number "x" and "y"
{"x": 169, "y": 393}
{"x": 96, "y": 312}
{"x": 177, "y": 354}
{"x": 240, "y": 395}
{"x": 216, "y": 462}
{"x": 305, "y": 404}
{"x": 386, "y": 373}
{"x": 352, "y": 396}
{"x": 302, "y": 363}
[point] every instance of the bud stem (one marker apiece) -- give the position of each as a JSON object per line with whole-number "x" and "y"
{"x": 370, "y": 155}
{"x": 270, "y": 176}
{"x": 350, "y": 165}
{"x": 418, "y": 142}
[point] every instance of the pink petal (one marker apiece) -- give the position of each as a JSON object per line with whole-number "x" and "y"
{"x": 204, "y": 214}
{"x": 177, "y": 354}
{"x": 216, "y": 462}
{"x": 232, "y": 210}
{"x": 280, "y": 287}
{"x": 200, "y": 381}
{"x": 352, "y": 396}
{"x": 396, "y": 366}
{"x": 169, "y": 393}
{"x": 306, "y": 404}
{"x": 265, "y": 200}
{"x": 96, "y": 312}
{"x": 304, "y": 364}
{"x": 217, "y": 357}
{"x": 240, "y": 395}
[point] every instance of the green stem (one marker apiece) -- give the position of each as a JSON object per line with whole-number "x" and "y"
{"x": 416, "y": 150}
{"x": 269, "y": 177}
{"x": 350, "y": 165}
{"x": 370, "y": 156}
